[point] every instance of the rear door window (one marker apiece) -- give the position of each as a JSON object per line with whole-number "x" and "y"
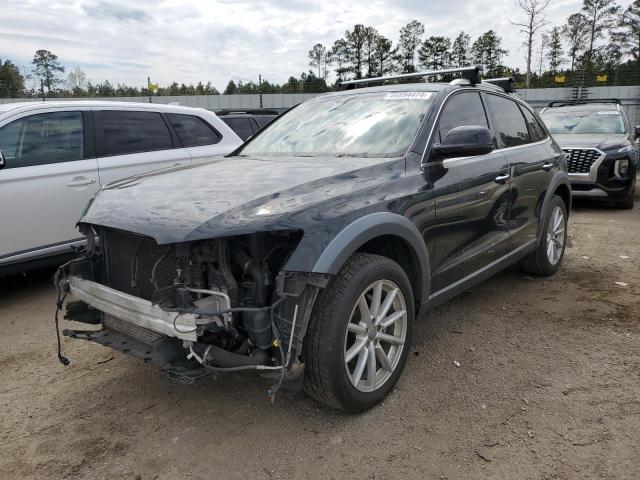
{"x": 510, "y": 126}
{"x": 193, "y": 131}
{"x": 462, "y": 109}
{"x": 242, "y": 126}
{"x": 125, "y": 132}
{"x": 42, "y": 139}
{"x": 535, "y": 129}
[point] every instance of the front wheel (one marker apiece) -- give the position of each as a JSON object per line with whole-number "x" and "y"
{"x": 547, "y": 257}
{"x": 360, "y": 334}
{"x": 627, "y": 202}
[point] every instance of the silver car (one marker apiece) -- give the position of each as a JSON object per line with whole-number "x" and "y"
{"x": 54, "y": 157}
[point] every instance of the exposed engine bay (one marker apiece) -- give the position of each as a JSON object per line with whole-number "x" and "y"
{"x": 191, "y": 308}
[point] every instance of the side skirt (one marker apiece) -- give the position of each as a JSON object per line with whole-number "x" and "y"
{"x": 472, "y": 279}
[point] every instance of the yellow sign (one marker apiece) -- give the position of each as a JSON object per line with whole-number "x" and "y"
{"x": 601, "y": 78}
{"x": 559, "y": 78}
{"x": 153, "y": 87}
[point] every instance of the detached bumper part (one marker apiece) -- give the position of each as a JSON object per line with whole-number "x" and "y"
{"x": 134, "y": 310}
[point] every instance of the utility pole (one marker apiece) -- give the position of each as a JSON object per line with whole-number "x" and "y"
{"x": 149, "y": 88}
{"x": 260, "y": 88}
{"x": 42, "y": 89}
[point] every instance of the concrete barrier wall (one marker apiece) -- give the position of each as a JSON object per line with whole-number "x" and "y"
{"x": 212, "y": 102}
{"x": 537, "y": 97}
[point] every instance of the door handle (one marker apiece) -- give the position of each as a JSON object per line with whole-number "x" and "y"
{"x": 81, "y": 182}
{"x": 502, "y": 178}
{"x": 548, "y": 166}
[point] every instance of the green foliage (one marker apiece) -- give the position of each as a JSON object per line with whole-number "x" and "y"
{"x": 487, "y": 51}
{"x": 410, "y": 39}
{"x": 435, "y": 53}
{"x": 555, "y": 52}
{"x": 46, "y": 68}
{"x": 460, "y": 50}
{"x": 601, "y": 16}
{"x": 575, "y": 32}
{"x": 11, "y": 80}
{"x": 629, "y": 34}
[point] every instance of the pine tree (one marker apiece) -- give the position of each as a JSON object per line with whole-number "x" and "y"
{"x": 460, "y": 50}
{"x": 601, "y": 16}
{"x": 435, "y": 53}
{"x": 555, "y": 52}
{"x": 410, "y": 39}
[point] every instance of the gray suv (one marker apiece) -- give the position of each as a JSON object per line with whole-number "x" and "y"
{"x": 601, "y": 148}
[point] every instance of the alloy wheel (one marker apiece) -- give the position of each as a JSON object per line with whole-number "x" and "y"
{"x": 555, "y": 235}
{"x": 375, "y": 335}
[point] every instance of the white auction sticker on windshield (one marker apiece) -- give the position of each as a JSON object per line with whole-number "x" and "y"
{"x": 608, "y": 112}
{"x": 408, "y": 95}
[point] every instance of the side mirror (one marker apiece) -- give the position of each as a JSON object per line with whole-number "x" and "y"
{"x": 464, "y": 141}
{"x": 1, "y": 160}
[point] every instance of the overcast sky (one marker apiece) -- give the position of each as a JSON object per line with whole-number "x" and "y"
{"x": 222, "y": 39}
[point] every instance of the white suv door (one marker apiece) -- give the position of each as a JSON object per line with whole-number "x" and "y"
{"x": 49, "y": 174}
{"x": 130, "y": 142}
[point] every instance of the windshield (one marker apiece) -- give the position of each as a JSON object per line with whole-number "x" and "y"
{"x": 585, "y": 121}
{"x": 379, "y": 124}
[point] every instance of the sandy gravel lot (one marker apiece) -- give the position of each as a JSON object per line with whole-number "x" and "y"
{"x": 548, "y": 387}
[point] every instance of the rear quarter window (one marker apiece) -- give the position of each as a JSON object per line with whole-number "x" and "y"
{"x": 511, "y": 128}
{"x": 193, "y": 131}
{"x": 536, "y": 130}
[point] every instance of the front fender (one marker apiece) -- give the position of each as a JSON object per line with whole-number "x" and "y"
{"x": 348, "y": 240}
{"x": 559, "y": 178}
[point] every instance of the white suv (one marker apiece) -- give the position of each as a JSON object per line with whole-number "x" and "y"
{"x": 54, "y": 157}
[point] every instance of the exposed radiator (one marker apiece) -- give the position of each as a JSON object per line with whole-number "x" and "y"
{"x": 131, "y": 260}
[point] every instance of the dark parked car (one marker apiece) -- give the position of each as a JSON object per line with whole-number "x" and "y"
{"x": 601, "y": 148}
{"x": 311, "y": 250}
{"x": 247, "y": 122}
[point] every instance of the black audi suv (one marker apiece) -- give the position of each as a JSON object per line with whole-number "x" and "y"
{"x": 308, "y": 252}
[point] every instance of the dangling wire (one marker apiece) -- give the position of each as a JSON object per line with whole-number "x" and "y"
{"x": 59, "y": 303}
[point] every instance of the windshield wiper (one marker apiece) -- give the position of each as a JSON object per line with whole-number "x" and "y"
{"x": 355, "y": 155}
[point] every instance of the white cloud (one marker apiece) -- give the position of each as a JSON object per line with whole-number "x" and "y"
{"x": 217, "y": 40}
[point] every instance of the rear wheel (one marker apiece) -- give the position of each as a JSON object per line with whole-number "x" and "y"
{"x": 546, "y": 259}
{"x": 360, "y": 334}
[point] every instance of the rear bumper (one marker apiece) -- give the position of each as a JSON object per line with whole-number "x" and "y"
{"x": 137, "y": 311}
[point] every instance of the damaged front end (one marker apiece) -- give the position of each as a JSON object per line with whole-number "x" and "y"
{"x": 222, "y": 304}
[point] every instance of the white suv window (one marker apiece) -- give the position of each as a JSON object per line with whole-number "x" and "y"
{"x": 133, "y": 132}
{"x": 43, "y": 138}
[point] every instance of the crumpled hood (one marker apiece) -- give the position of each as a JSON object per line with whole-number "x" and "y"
{"x": 229, "y": 195}
{"x": 602, "y": 141}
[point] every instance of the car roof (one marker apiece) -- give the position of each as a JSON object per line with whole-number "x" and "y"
{"x": 159, "y": 107}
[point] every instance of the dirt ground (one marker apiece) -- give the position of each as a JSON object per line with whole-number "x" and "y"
{"x": 548, "y": 387}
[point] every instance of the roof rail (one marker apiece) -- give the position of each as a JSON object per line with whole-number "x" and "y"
{"x": 566, "y": 103}
{"x": 506, "y": 83}
{"x": 470, "y": 73}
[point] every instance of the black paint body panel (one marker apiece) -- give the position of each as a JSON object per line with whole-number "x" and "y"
{"x": 452, "y": 214}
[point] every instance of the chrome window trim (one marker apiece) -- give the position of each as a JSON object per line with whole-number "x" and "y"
{"x": 592, "y": 176}
{"x": 447, "y": 161}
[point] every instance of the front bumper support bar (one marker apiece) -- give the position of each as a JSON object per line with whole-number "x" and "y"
{"x": 134, "y": 310}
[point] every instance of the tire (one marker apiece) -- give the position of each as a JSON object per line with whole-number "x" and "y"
{"x": 627, "y": 203}
{"x": 542, "y": 262}
{"x": 328, "y": 377}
